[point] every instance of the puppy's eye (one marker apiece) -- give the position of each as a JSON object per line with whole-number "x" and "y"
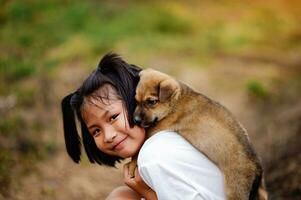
{"x": 151, "y": 102}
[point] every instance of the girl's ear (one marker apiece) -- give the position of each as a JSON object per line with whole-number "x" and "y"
{"x": 72, "y": 139}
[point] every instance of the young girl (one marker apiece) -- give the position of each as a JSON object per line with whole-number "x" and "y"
{"x": 168, "y": 166}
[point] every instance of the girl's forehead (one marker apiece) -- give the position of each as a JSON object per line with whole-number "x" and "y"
{"x": 97, "y": 110}
{"x": 105, "y": 98}
{"x": 103, "y": 104}
{"x": 106, "y": 91}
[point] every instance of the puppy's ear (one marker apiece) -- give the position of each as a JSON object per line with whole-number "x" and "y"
{"x": 168, "y": 88}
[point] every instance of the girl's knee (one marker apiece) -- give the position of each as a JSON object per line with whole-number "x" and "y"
{"x": 123, "y": 193}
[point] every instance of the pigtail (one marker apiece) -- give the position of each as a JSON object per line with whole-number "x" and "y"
{"x": 72, "y": 139}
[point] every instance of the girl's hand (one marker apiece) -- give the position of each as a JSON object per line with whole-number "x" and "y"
{"x": 137, "y": 184}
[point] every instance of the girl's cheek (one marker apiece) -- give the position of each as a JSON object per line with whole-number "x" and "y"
{"x": 123, "y": 121}
{"x": 121, "y": 124}
{"x": 99, "y": 143}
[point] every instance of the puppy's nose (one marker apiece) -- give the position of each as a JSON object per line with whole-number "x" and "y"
{"x": 137, "y": 119}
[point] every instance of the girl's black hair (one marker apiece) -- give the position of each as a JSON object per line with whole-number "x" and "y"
{"x": 124, "y": 78}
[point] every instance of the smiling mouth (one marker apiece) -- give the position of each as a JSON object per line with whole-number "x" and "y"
{"x": 116, "y": 145}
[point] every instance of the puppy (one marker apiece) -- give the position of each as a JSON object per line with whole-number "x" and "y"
{"x": 164, "y": 103}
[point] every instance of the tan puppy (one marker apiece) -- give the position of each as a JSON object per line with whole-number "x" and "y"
{"x": 164, "y": 103}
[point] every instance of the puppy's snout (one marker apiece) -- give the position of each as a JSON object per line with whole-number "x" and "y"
{"x": 137, "y": 119}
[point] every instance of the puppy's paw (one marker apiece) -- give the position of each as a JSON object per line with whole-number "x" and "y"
{"x": 132, "y": 167}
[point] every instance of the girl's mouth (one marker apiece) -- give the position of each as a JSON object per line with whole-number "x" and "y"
{"x": 119, "y": 145}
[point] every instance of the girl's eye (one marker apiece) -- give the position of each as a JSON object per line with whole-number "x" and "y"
{"x": 96, "y": 132}
{"x": 114, "y": 117}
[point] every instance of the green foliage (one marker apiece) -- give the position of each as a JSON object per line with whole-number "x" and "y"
{"x": 13, "y": 70}
{"x": 85, "y": 29}
{"x": 11, "y": 126}
{"x": 6, "y": 163}
{"x": 256, "y": 89}
{"x": 26, "y": 97}
{"x": 19, "y": 11}
{"x": 75, "y": 15}
{"x": 27, "y": 147}
{"x": 168, "y": 23}
{"x": 50, "y": 147}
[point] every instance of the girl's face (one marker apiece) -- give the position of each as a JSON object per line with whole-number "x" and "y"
{"x": 107, "y": 122}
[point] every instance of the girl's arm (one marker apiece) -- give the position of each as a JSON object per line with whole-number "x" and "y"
{"x": 137, "y": 184}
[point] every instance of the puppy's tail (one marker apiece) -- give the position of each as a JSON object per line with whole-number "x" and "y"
{"x": 258, "y": 191}
{"x": 262, "y": 192}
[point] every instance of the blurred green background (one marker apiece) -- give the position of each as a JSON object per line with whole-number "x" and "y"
{"x": 245, "y": 54}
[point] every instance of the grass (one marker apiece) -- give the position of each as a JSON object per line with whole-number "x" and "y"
{"x": 11, "y": 126}
{"x": 6, "y": 163}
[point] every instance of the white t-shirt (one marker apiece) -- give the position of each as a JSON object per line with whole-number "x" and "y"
{"x": 174, "y": 169}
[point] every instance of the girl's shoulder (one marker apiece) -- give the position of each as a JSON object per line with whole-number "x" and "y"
{"x": 169, "y": 146}
{"x": 170, "y": 149}
{"x": 161, "y": 145}
{"x": 164, "y": 140}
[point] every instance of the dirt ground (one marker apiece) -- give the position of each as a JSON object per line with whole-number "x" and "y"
{"x": 274, "y": 131}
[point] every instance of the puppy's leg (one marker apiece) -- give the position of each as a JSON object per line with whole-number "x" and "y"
{"x": 237, "y": 185}
{"x": 246, "y": 183}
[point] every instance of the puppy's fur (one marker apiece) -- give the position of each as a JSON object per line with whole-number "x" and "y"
{"x": 164, "y": 103}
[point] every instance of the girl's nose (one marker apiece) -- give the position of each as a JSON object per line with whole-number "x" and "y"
{"x": 110, "y": 135}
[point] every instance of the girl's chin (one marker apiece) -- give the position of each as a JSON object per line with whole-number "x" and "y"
{"x": 127, "y": 154}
